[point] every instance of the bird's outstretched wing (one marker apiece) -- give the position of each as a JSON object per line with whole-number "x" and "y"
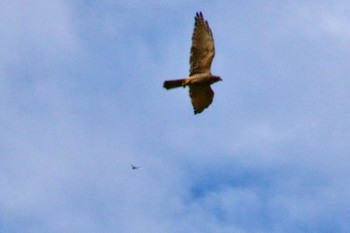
{"x": 202, "y": 50}
{"x": 201, "y": 97}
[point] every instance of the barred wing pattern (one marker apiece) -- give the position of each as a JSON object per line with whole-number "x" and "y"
{"x": 200, "y": 78}
{"x": 202, "y": 50}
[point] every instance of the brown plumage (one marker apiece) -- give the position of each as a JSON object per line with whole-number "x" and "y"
{"x": 170, "y": 84}
{"x": 200, "y": 77}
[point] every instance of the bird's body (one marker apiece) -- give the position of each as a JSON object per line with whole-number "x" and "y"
{"x": 134, "y": 167}
{"x": 200, "y": 78}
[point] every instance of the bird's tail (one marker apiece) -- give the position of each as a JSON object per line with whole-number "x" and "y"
{"x": 170, "y": 84}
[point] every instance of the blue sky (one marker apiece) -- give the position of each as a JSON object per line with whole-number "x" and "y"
{"x": 81, "y": 99}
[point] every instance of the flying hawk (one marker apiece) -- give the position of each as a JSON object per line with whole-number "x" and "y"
{"x": 134, "y": 167}
{"x": 200, "y": 78}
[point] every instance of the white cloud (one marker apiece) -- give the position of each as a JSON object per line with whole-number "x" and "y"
{"x": 41, "y": 27}
{"x": 82, "y": 98}
{"x": 326, "y": 19}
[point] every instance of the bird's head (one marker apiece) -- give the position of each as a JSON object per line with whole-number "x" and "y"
{"x": 216, "y": 79}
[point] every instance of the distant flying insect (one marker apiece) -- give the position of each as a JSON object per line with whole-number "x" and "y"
{"x": 200, "y": 77}
{"x": 134, "y": 167}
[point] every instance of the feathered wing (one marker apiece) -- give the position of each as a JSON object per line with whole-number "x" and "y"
{"x": 201, "y": 97}
{"x": 202, "y": 50}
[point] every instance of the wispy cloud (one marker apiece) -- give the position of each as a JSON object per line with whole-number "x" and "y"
{"x": 81, "y": 98}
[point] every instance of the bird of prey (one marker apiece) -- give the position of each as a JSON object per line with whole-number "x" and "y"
{"x": 200, "y": 77}
{"x": 134, "y": 167}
